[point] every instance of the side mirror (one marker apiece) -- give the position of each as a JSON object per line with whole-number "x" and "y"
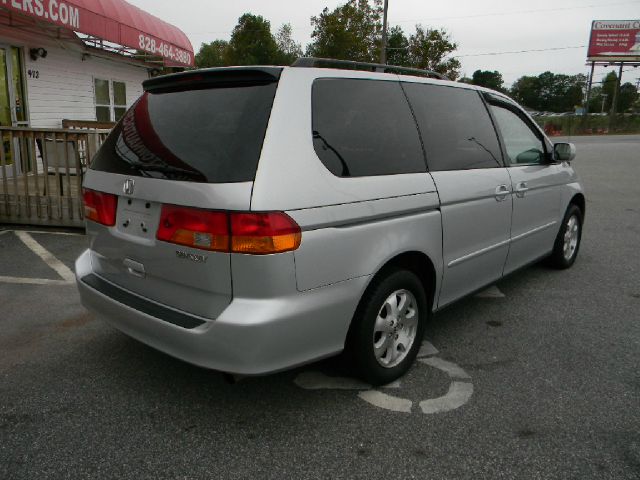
{"x": 564, "y": 152}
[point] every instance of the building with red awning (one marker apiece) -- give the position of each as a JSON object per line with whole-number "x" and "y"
{"x": 80, "y": 60}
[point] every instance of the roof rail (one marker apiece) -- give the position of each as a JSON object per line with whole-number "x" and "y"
{"x": 311, "y": 62}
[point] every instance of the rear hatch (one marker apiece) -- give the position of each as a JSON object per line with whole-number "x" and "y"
{"x": 192, "y": 140}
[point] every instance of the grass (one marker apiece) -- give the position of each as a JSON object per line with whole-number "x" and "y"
{"x": 591, "y": 124}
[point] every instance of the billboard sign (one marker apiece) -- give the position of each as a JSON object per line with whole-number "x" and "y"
{"x": 615, "y": 38}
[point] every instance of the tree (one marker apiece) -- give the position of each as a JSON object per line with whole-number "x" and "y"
{"x": 608, "y": 87}
{"x": 429, "y": 48}
{"x": 549, "y": 91}
{"x": 488, "y": 79}
{"x": 628, "y": 96}
{"x": 397, "y": 47}
{"x": 595, "y": 99}
{"x": 212, "y": 54}
{"x": 350, "y": 32}
{"x": 288, "y": 49}
{"x": 525, "y": 90}
{"x": 252, "y": 42}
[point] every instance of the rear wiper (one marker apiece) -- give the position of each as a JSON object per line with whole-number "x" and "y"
{"x": 167, "y": 169}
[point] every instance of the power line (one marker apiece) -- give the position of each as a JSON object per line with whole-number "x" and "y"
{"x": 478, "y": 15}
{"x": 520, "y": 12}
{"x": 517, "y": 51}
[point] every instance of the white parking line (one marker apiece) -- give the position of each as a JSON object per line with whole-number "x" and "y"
{"x": 460, "y": 389}
{"x": 386, "y": 401}
{"x": 48, "y": 258}
{"x": 459, "y": 393}
{"x": 60, "y": 268}
{"x": 32, "y": 281}
{"x": 492, "y": 292}
{"x": 453, "y": 370}
{"x": 427, "y": 350}
{"x": 69, "y": 234}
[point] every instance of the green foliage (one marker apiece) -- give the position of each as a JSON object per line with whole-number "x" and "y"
{"x": 429, "y": 48}
{"x": 212, "y": 54}
{"x": 628, "y": 96}
{"x": 591, "y": 124}
{"x": 288, "y": 49}
{"x": 252, "y": 43}
{"x": 397, "y": 47}
{"x": 350, "y": 32}
{"x": 488, "y": 79}
{"x": 608, "y": 87}
{"x": 603, "y": 95}
{"x": 549, "y": 91}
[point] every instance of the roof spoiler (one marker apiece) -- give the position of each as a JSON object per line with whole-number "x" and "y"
{"x": 311, "y": 62}
{"x": 213, "y": 78}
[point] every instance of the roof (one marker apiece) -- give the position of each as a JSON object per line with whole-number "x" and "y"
{"x": 115, "y": 21}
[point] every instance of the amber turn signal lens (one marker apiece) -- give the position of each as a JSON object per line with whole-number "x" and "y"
{"x": 264, "y": 233}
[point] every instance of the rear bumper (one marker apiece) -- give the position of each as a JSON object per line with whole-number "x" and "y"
{"x": 251, "y": 336}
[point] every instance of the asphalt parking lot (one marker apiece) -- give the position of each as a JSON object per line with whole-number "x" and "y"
{"x": 546, "y": 365}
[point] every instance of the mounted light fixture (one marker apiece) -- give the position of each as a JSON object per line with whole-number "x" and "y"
{"x": 36, "y": 53}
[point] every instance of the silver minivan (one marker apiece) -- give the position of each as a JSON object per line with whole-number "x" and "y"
{"x": 252, "y": 219}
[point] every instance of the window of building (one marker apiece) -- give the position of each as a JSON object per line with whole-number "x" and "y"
{"x": 111, "y": 100}
{"x": 456, "y": 128}
{"x": 364, "y": 128}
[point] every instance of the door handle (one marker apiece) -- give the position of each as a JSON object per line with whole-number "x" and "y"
{"x": 521, "y": 188}
{"x": 501, "y": 192}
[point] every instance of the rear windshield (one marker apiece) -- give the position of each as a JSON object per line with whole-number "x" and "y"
{"x": 211, "y": 135}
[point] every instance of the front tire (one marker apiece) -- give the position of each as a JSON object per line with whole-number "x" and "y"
{"x": 567, "y": 244}
{"x": 388, "y": 327}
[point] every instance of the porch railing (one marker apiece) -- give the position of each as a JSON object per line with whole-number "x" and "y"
{"x": 41, "y": 173}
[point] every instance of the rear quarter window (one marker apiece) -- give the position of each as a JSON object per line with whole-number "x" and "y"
{"x": 364, "y": 128}
{"x": 456, "y": 128}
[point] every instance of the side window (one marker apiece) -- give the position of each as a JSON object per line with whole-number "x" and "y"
{"x": 456, "y": 128}
{"x": 522, "y": 144}
{"x": 364, "y": 127}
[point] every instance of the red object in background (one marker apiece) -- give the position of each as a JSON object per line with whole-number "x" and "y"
{"x": 100, "y": 207}
{"x": 114, "y": 21}
{"x": 614, "y": 38}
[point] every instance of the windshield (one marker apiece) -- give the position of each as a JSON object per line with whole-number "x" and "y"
{"x": 210, "y": 135}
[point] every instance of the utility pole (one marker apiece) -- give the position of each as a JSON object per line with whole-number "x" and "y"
{"x": 614, "y": 100}
{"x": 604, "y": 98}
{"x": 586, "y": 106}
{"x": 383, "y": 49}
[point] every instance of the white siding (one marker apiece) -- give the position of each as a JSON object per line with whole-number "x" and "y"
{"x": 64, "y": 87}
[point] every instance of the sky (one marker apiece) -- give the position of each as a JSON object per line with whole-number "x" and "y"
{"x": 478, "y": 27}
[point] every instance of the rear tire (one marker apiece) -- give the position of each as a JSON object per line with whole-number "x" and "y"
{"x": 567, "y": 244}
{"x": 387, "y": 329}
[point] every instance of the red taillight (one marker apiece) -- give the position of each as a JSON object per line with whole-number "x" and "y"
{"x": 100, "y": 207}
{"x": 194, "y": 227}
{"x": 253, "y": 233}
{"x": 264, "y": 233}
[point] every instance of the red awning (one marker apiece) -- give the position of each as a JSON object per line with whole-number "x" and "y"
{"x": 115, "y": 21}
